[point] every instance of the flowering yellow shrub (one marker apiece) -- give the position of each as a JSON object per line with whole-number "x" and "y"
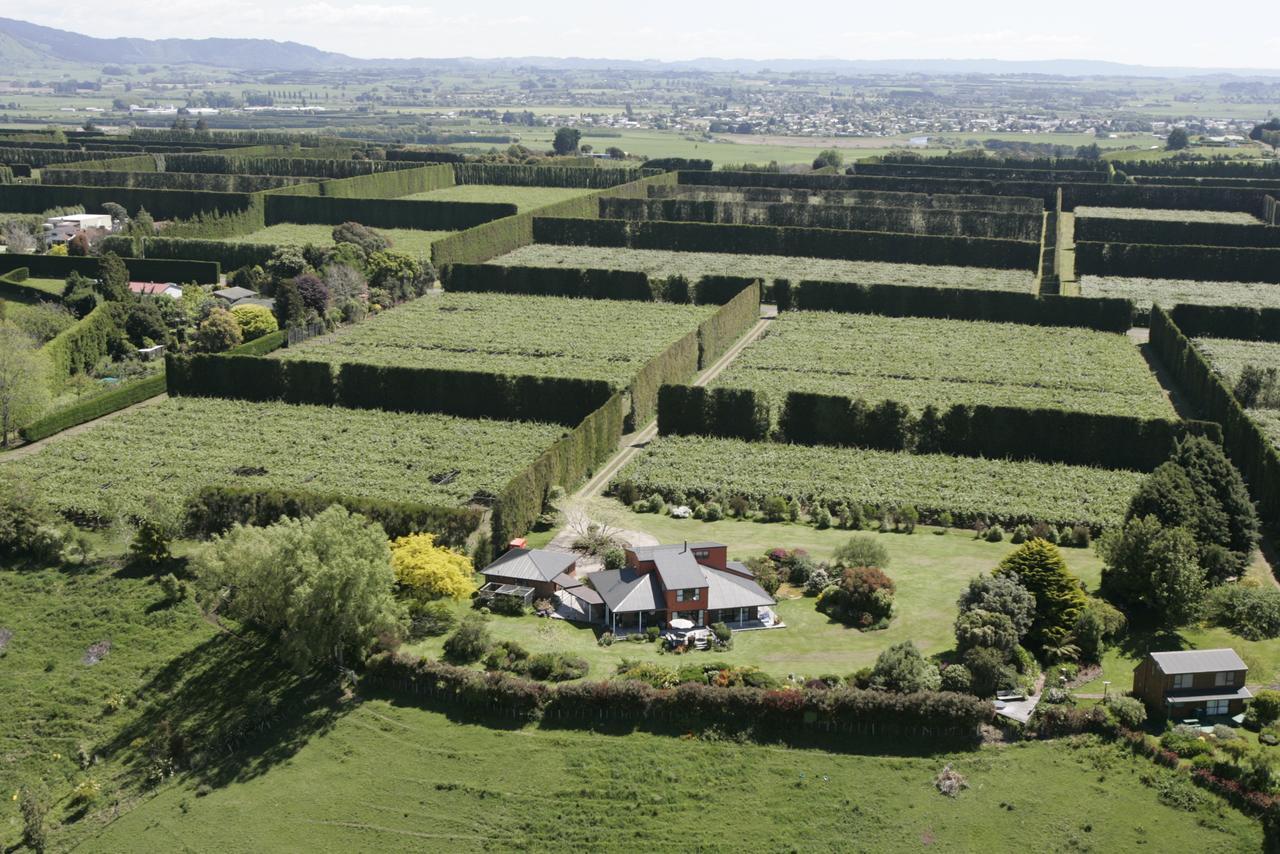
{"x": 431, "y": 570}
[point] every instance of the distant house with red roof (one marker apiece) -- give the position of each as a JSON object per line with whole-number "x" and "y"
{"x": 155, "y": 289}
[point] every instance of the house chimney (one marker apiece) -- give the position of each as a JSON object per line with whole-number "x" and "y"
{"x": 686, "y": 545}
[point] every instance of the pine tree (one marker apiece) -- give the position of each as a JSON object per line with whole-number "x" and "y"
{"x": 1060, "y": 598}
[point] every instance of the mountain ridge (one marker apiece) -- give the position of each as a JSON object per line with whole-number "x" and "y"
{"x": 21, "y": 42}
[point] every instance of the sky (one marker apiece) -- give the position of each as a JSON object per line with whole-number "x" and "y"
{"x": 1247, "y": 37}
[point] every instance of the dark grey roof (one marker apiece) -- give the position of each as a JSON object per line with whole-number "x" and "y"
{"x": 739, "y": 566}
{"x": 530, "y": 564}
{"x": 625, "y": 591}
{"x": 584, "y": 593}
{"x": 234, "y": 293}
{"x": 1204, "y": 696}
{"x": 726, "y": 590}
{"x": 648, "y": 552}
{"x": 265, "y": 303}
{"x": 1198, "y": 661}
{"x": 678, "y": 570}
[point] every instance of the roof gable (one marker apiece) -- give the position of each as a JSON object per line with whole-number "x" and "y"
{"x": 531, "y": 564}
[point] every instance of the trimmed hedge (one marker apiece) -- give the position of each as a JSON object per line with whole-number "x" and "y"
{"x": 874, "y": 198}
{"x": 514, "y": 175}
{"x": 301, "y": 167}
{"x": 733, "y": 413}
{"x": 718, "y": 332}
{"x": 780, "y": 240}
{"x": 214, "y": 509}
{"x": 678, "y": 363}
{"x": 1102, "y": 313}
{"x": 905, "y": 220}
{"x": 230, "y": 255}
{"x": 11, "y": 287}
{"x": 674, "y": 164}
{"x": 140, "y": 269}
{"x": 905, "y": 169}
{"x": 162, "y": 204}
{"x": 1227, "y": 321}
{"x": 488, "y": 241}
{"x": 79, "y": 347}
{"x": 1096, "y": 229}
{"x": 79, "y": 413}
{"x": 1271, "y": 210}
{"x": 564, "y": 464}
{"x": 384, "y": 213}
{"x": 547, "y": 281}
{"x": 1247, "y": 445}
{"x": 425, "y": 156}
{"x": 201, "y": 181}
{"x": 835, "y": 711}
{"x": 381, "y": 185}
{"x": 1154, "y": 261}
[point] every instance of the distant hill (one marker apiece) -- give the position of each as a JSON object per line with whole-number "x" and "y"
{"x": 24, "y": 45}
{"x": 21, "y": 42}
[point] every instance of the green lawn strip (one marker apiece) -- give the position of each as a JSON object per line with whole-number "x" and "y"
{"x": 660, "y": 263}
{"x": 930, "y": 571}
{"x": 524, "y": 198}
{"x": 168, "y": 451}
{"x": 921, "y": 361}
{"x": 406, "y": 240}
{"x": 504, "y": 333}
{"x": 701, "y": 468}
{"x": 1171, "y": 292}
{"x": 392, "y": 778}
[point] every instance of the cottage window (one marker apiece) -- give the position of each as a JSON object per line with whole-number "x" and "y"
{"x": 1224, "y": 678}
{"x": 701, "y": 553}
{"x": 1217, "y": 707}
{"x": 1182, "y": 680}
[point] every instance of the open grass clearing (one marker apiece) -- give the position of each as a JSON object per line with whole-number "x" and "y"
{"x": 923, "y": 361}
{"x": 659, "y": 263}
{"x": 1163, "y": 215}
{"x": 702, "y": 467}
{"x": 524, "y": 198}
{"x": 52, "y": 287}
{"x": 930, "y": 569}
{"x": 165, "y": 453}
{"x": 1171, "y": 292}
{"x": 544, "y": 336}
{"x": 405, "y": 240}
{"x": 396, "y": 778}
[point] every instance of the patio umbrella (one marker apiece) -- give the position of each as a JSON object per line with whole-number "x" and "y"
{"x": 681, "y": 624}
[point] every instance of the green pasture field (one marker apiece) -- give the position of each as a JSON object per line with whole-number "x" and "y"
{"x": 1223, "y": 217}
{"x": 406, "y": 240}
{"x": 398, "y": 778}
{"x": 931, "y": 568}
{"x": 164, "y": 453}
{"x": 52, "y": 287}
{"x": 524, "y": 198}
{"x": 700, "y": 467}
{"x": 544, "y": 336}
{"x": 922, "y": 361}
{"x": 1171, "y": 292}
{"x": 660, "y": 264}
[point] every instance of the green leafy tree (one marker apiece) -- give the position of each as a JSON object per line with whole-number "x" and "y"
{"x": 218, "y": 332}
{"x": 24, "y": 381}
{"x": 566, "y": 140}
{"x": 828, "y": 157}
{"x": 1178, "y": 140}
{"x": 399, "y": 275}
{"x": 323, "y": 585}
{"x": 1038, "y": 566}
{"x": 113, "y": 278}
{"x": 1226, "y": 516}
{"x": 254, "y": 321}
{"x": 985, "y": 628}
{"x": 1001, "y": 594}
{"x": 291, "y": 311}
{"x": 1149, "y": 565}
{"x": 469, "y": 642}
{"x": 145, "y": 322}
{"x": 366, "y": 238}
{"x": 902, "y": 668}
{"x": 861, "y": 550}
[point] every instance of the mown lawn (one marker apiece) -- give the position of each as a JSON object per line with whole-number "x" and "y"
{"x": 392, "y": 778}
{"x": 930, "y": 571}
{"x": 524, "y": 198}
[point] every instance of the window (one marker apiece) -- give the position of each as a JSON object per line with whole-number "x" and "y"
{"x": 1217, "y": 707}
{"x": 687, "y": 595}
{"x": 700, "y": 553}
{"x": 1182, "y": 680}
{"x": 1224, "y": 678}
